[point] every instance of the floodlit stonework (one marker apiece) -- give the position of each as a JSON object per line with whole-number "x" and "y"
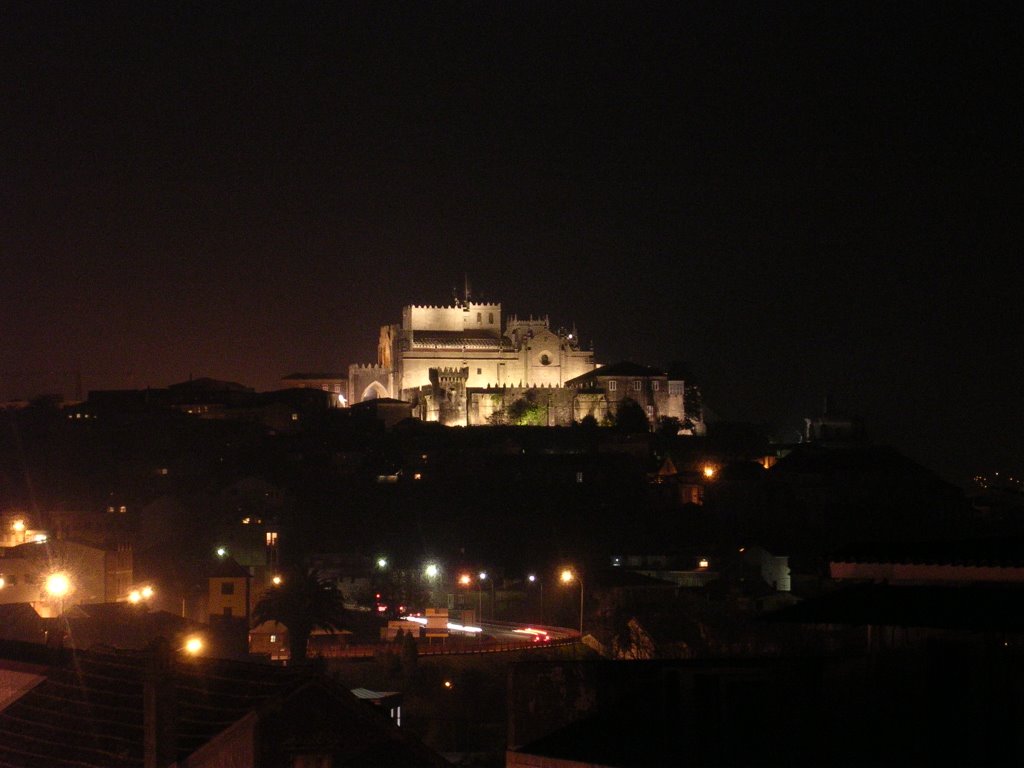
{"x": 461, "y": 365}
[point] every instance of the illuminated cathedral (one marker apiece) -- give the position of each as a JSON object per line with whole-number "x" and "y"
{"x": 466, "y": 364}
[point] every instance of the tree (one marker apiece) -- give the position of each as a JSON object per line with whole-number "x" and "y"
{"x": 669, "y": 426}
{"x": 630, "y": 417}
{"x": 525, "y": 413}
{"x": 302, "y": 602}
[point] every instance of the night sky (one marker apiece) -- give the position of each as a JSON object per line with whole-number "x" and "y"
{"x": 796, "y": 199}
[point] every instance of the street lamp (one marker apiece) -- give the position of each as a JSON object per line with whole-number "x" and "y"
{"x": 532, "y": 578}
{"x": 58, "y": 586}
{"x": 568, "y": 575}
{"x": 480, "y": 586}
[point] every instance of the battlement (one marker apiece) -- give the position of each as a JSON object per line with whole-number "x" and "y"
{"x": 368, "y": 367}
{"x": 531, "y": 322}
{"x": 479, "y": 318}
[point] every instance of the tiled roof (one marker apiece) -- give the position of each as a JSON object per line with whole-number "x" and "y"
{"x": 455, "y": 340}
{"x": 624, "y": 368}
{"x": 1001, "y": 552}
{"x": 975, "y": 607}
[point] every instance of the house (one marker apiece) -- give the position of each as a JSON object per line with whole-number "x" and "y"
{"x": 160, "y": 708}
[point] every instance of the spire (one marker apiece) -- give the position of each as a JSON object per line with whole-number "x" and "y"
{"x": 465, "y": 278}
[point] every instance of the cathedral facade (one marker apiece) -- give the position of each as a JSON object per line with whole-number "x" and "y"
{"x": 436, "y": 353}
{"x": 465, "y": 364}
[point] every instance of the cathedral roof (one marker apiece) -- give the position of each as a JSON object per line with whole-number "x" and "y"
{"x": 454, "y": 340}
{"x": 624, "y": 368}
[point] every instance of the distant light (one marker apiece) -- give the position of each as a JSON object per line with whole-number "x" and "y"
{"x": 382, "y": 562}
{"x": 448, "y": 684}
{"x": 465, "y": 579}
{"x": 18, "y": 525}
{"x": 703, "y": 563}
{"x": 567, "y": 576}
{"x": 134, "y": 596}
{"x": 221, "y": 551}
{"x": 194, "y": 645}
{"x": 531, "y": 578}
{"x": 147, "y": 592}
{"x": 277, "y": 581}
{"x": 40, "y": 538}
{"x": 58, "y": 584}
{"x": 2, "y": 582}
{"x": 483, "y": 575}
{"x": 431, "y": 571}
{"x": 709, "y": 471}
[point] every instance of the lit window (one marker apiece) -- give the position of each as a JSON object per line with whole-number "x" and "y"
{"x": 295, "y": 417}
{"x": 650, "y": 411}
{"x": 579, "y": 477}
{"x": 271, "y": 538}
{"x": 122, "y": 509}
{"x": 273, "y": 638}
{"x": 613, "y": 385}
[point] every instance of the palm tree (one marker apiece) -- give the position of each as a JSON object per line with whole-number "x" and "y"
{"x": 302, "y": 602}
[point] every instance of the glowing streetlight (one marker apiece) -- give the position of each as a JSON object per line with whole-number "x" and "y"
{"x": 465, "y": 579}
{"x": 382, "y": 562}
{"x": 709, "y": 471}
{"x": 58, "y": 585}
{"x": 194, "y": 645}
{"x": 532, "y": 578}
{"x": 222, "y": 551}
{"x": 136, "y": 596}
{"x": 431, "y": 571}
{"x": 277, "y": 580}
{"x": 568, "y": 576}
{"x": 18, "y": 526}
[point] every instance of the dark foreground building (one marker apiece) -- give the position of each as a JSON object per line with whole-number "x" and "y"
{"x": 154, "y": 709}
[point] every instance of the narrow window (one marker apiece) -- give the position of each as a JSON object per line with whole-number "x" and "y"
{"x": 613, "y": 385}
